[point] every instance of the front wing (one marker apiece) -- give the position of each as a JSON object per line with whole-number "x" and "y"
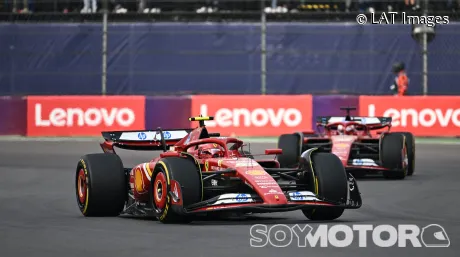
{"x": 297, "y": 200}
{"x": 367, "y": 165}
{"x": 260, "y": 207}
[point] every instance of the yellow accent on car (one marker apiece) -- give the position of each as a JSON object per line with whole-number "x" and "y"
{"x": 85, "y": 209}
{"x": 200, "y": 118}
{"x": 166, "y": 171}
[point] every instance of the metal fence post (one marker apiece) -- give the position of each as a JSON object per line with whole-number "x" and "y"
{"x": 104, "y": 47}
{"x": 425, "y": 64}
{"x": 263, "y": 49}
{"x": 425, "y": 56}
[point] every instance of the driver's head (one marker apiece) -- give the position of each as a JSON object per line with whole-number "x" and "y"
{"x": 340, "y": 129}
{"x": 350, "y": 130}
{"x": 210, "y": 151}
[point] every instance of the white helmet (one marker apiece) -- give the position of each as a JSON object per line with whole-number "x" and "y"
{"x": 340, "y": 129}
{"x": 350, "y": 128}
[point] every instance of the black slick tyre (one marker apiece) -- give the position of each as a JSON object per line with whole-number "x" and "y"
{"x": 100, "y": 185}
{"x": 410, "y": 144}
{"x": 291, "y": 146}
{"x": 188, "y": 175}
{"x": 393, "y": 154}
{"x": 329, "y": 181}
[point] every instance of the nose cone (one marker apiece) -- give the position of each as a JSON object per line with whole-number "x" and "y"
{"x": 264, "y": 185}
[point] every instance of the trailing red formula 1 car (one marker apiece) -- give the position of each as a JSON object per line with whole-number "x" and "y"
{"x": 352, "y": 140}
{"x": 200, "y": 172}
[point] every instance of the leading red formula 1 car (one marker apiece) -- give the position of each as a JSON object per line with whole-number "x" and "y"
{"x": 202, "y": 172}
{"x": 351, "y": 139}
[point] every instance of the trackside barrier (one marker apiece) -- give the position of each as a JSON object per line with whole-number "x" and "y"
{"x": 421, "y": 115}
{"x": 247, "y": 115}
{"x": 83, "y": 115}
{"x": 239, "y": 115}
{"x": 13, "y": 114}
{"x": 167, "y": 111}
{"x": 329, "y": 105}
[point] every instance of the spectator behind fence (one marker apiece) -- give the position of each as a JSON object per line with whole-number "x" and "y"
{"x": 87, "y": 8}
{"x": 200, "y": 6}
{"x": 401, "y": 81}
{"x": 25, "y": 6}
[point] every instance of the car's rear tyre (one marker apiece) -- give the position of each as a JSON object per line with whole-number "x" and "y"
{"x": 329, "y": 181}
{"x": 393, "y": 155}
{"x": 410, "y": 144}
{"x": 100, "y": 185}
{"x": 188, "y": 175}
{"x": 291, "y": 145}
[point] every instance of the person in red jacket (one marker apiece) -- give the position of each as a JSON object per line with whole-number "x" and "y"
{"x": 401, "y": 82}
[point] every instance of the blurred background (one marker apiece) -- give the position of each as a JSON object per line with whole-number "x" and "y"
{"x": 158, "y": 47}
{"x": 184, "y": 48}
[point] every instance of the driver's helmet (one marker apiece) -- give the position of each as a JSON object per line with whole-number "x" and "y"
{"x": 340, "y": 129}
{"x": 210, "y": 151}
{"x": 349, "y": 130}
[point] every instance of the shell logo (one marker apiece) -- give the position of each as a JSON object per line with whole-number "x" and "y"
{"x": 255, "y": 172}
{"x": 139, "y": 182}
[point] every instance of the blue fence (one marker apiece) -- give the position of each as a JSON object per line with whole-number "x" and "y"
{"x": 167, "y": 58}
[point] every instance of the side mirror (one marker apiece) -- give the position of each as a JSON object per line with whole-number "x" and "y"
{"x": 273, "y": 151}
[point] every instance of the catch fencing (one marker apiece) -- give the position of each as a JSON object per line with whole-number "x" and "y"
{"x": 243, "y": 51}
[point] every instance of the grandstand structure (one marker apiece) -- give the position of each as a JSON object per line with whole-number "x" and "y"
{"x": 196, "y": 10}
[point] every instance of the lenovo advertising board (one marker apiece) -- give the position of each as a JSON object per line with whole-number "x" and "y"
{"x": 254, "y": 115}
{"x": 421, "y": 115}
{"x": 83, "y": 115}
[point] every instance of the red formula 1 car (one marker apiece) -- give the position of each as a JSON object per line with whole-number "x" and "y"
{"x": 356, "y": 141}
{"x": 202, "y": 172}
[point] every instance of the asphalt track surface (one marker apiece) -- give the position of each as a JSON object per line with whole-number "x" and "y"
{"x": 39, "y": 215}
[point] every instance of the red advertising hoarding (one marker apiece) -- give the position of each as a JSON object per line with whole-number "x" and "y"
{"x": 421, "y": 115}
{"x": 83, "y": 115}
{"x": 254, "y": 115}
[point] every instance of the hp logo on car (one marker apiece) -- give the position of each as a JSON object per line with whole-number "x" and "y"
{"x": 242, "y": 197}
{"x": 167, "y": 135}
{"x": 142, "y": 136}
{"x": 297, "y": 196}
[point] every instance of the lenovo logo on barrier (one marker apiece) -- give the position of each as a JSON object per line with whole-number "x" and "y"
{"x": 423, "y": 116}
{"x": 83, "y": 116}
{"x": 248, "y": 115}
{"x": 242, "y": 117}
{"x": 92, "y": 117}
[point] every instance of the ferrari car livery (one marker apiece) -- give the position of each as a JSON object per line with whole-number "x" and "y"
{"x": 359, "y": 142}
{"x": 199, "y": 172}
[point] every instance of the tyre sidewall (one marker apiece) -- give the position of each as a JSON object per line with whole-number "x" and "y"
{"x": 393, "y": 155}
{"x": 106, "y": 184}
{"x": 190, "y": 184}
{"x": 330, "y": 182}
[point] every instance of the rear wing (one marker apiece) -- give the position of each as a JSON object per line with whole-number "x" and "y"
{"x": 153, "y": 140}
{"x": 373, "y": 121}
